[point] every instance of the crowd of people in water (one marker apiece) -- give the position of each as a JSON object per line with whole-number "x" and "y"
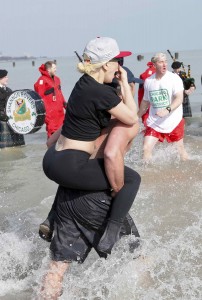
{"x": 87, "y": 139}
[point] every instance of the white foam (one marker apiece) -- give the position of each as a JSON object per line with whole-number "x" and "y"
{"x": 15, "y": 272}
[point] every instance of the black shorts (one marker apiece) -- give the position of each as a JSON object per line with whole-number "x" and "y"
{"x": 80, "y": 220}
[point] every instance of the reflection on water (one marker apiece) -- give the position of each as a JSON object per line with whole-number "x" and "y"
{"x": 167, "y": 212}
{"x": 9, "y": 154}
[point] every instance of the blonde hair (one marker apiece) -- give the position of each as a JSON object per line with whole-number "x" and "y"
{"x": 159, "y": 56}
{"x": 87, "y": 67}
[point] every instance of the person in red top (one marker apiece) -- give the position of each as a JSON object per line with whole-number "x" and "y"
{"x": 149, "y": 71}
{"x": 49, "y": 88}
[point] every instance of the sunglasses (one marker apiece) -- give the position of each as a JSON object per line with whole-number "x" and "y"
{"x": 119, "y": 60}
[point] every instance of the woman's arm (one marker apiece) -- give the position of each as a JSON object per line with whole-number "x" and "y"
{"x": 125, "y": 111}
{"x": 143, "y": 108}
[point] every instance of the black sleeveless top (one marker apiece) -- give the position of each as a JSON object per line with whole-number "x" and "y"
{"x": 87, "y": 107}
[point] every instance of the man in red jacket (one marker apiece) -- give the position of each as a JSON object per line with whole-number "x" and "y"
{"x": 149, "y": 71}
{"x": 49, "y": 88}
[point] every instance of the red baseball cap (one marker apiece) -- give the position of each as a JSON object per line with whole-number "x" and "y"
{"x": 123, "y": 54}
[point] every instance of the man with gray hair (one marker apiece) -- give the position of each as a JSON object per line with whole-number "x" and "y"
{"x": 163, "y": 91}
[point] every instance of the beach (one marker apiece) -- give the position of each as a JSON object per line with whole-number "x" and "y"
{"x": 167, "y": 212}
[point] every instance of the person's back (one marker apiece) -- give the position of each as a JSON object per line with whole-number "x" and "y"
{"x": 5, "y": 92}
{"x": 189, "y": 87}
{"x": 8, "y": 138}
{"x": 48, "y": 86}
{"x": 86, "y": 105}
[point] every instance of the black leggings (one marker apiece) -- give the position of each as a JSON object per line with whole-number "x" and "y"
{"x": 74, "y": 170}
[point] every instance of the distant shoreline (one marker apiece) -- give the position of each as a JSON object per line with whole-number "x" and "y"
{"x": 11, "y": 58}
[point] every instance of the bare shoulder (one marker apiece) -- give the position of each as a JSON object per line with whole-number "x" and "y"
{"x": 121, "y": 136}
{"x": 128, "y": 131}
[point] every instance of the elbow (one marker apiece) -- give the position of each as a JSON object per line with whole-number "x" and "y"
{"x": 132, "y": 120}
{"x": 110, "y": 155}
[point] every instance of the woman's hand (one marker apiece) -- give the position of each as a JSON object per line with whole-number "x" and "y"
{"x": 121, "y": 75}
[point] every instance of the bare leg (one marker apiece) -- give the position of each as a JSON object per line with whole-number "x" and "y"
{"x": 149, "y": 143}
{"x": 52, "y": 282}
{"x": 181, "y": 150}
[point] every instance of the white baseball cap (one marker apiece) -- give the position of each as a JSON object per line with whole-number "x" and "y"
{"x": 103, "y": 49}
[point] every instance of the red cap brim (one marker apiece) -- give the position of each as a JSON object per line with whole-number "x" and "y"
{"x": 123, "y": 54}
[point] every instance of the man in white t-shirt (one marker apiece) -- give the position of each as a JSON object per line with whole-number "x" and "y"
{"x": 163, "y": 91}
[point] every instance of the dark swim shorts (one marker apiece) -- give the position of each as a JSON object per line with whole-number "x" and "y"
{"x": 80, "y": 220}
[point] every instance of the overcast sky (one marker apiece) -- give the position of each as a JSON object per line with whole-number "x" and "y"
{"x": 56, "y": 28}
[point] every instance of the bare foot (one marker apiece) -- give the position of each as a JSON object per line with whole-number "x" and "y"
{"x": 184, "y": 156}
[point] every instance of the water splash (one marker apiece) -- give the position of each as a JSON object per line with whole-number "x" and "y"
{"x": 16, "y": 267}
{"x": 167, "y": 212}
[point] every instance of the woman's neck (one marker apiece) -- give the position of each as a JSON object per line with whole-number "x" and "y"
{"x": 98, "y": 76}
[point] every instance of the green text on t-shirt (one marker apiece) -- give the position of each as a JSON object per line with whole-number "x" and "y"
{"x": 159, "y": 98}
